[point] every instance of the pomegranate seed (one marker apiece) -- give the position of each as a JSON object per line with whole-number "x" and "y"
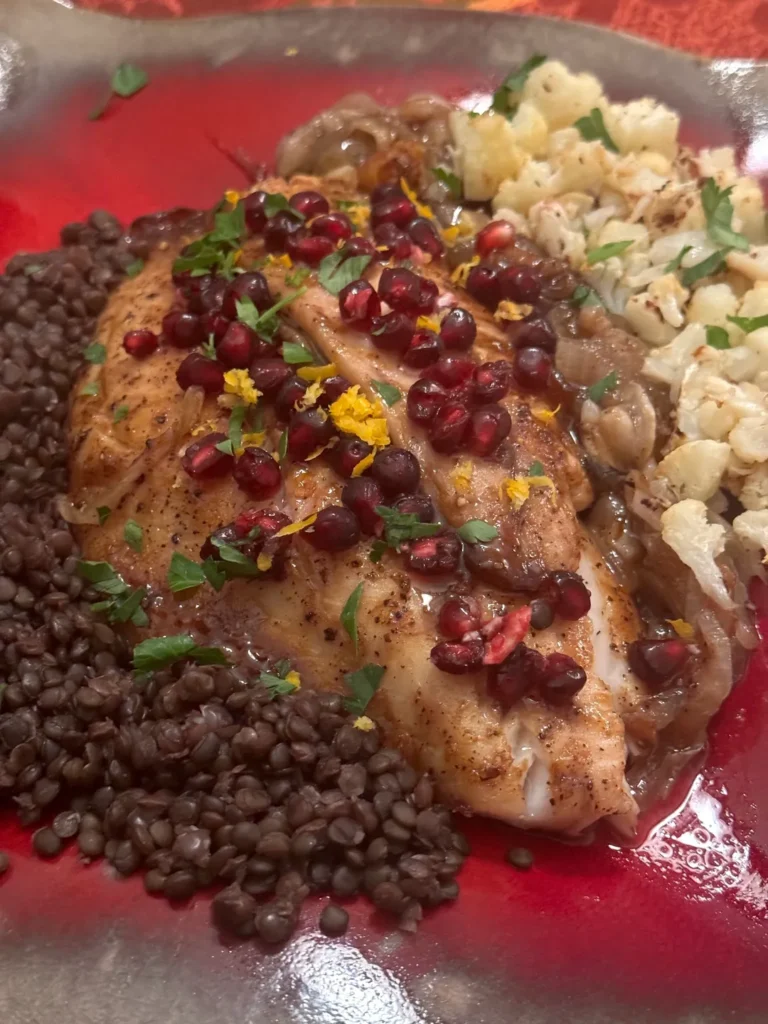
{"x": 562, "y": 679}
{"x": 333, "y": 388}
{"x": 423, "y": 233}
{"x": 253, "y": 286}
{"x": 656, "y": 662}
{"x": 307, "y": 431}
{"x": 192, "y": 291}
{"x": 197, "y": 371}
{"x": 269, "y": 375}
{"x": 291, "y": 392}
{"x": 458, "y": 657}
{"x": 345, "y": 455}
{"x": 416, "y": 505}
{"x": 362, "y": 496}
{"x": 492, "y": 381}
{"x": 392, "y": 332}
{"x": 452, "y": 371}
{"x": 203, "y": 460}
{"x": 511, "y": 630}
{"x": 235, "y": 349}
{"x": 335, "y": 529}
{"x": 434, "y": 556}
{"x": 487, "y": 429}
{"x": 396, "y": 471}
{"x": 428, "y": 293}
{"x": 183, "y": 330}
{"x": 359, "y": 246}
{"x": 569, "y": 594}
{"x": 309, "y": 249}
{"x": 519, "y": 284}
{"x": 215, "y": 324}
{"x": 257, "y": 473}
{"x": 449, "y": 428}
{"x": 483, "y": 285}
{"x": 336, "y": 226}
{"x": 425, "y": 399}
{"x": 279, "y": 229}
{"x": 359, "y": 304}
{"x": 399, "y": 210}
{"x": 255, "y": 216}
{"x": 265, "y": 522}
{"x": 140, "y": 344}
{"x": 423, "y": 350}
{"x": 386, "y": 190}
{"x": 309, "y": 204}
{"x": 458, "y": 330}
{"x": 395, "y": 243}
{"x": 534, "y": 333}
{"x": 542, "y": 614}
{"x": 496, "y": 235}
{"x": 457, "y": 617}
{"x": 517, "y": 675}
{"x": 213, "y": 296}
{"x": 400, "y": 289}
{"x": 531, "y": 368}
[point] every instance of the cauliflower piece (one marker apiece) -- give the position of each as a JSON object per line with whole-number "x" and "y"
{"x": 752, "y": 264}
{"x": 740, "y": 363}
{"x": 755, "y": 301}
{"x": 712, "y": 304}
{"x": 675, "y": 208}
{"x": 553, "y": 230}
{"x": 531, "y": 130}
{"x": 710, "y": 406}
{"x": 757, "y": 342}
{"x": 517, "y": 220}
{"x": 668, "y": 247}
{"x": 749, "y": 438}
{"x": 583, "y": 167}
{"x": 695, "y": 469}
{"x": 623, "y": 231}
{"x": 752, "y": 529}
{"x": 749, "y": 209}
{"x": 754, "y": 489}
{"x": 562, "y": 97}
{"x": 643, "y": 313}
{"x": 669, "y": 296}
{"x": 486, "y": 153}
{"x": 633, "y": 179}
{"x": 718, "y": 163}
{"x": 643, "y": 124}
{"x": 697, "y": 542}
{"x": 668, "y": 364}
{"x": 535, "y": 182}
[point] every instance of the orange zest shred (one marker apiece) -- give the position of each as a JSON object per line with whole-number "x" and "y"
{"x": 294, "y": 679}
{"x": 238, "y": 382}
{"x": 209, "y": 427}
{"x": 518, "y": 488}
{"x": 232, "y": 196}
{"x": 683, "y": 629}
{"x": 508, "y": 310}
{"x": 449, "y": 235}
{"x": 364, "y": 464}
{"x": 545, "y": 415}
{"x": 461, "y": 477}
{"x": 354, "y": 413}
{"x": 421, "y": 208}
{"x": 461, "y": 273}
{"x": 428, "y": 323}
{"x": 317, "y": 372}
{"x": 263, "y": 562}
{"x": 302, "y": 524}
{"x": 363, "y": 723}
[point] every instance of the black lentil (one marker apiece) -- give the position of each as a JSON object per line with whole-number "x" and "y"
{"x": 334, "y": 920}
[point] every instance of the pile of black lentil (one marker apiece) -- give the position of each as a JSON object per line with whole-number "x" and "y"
{"x": 195, "y": 776}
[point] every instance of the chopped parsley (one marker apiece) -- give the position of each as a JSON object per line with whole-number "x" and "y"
{"x": 348, "y": 617}
{"x": 600, "y": 388}
{"x": 122, "y": 604}
{"x": 184, "y": 574}
{"x": 282, "y": 446}
{"x": 120, "y": 413}
{"x": 276, "y": 202}
{"x": 276, "y": 686}
{"x": 592, "y": 129}
{"x": 266, "y": 323}
{"x": 677, "y": 262}
{"x": 362, "y": 686}
{"x": 133, "y": 535}
{"x": 233, "y": 562}
{"x": 718, "y": 209}
{"x": 335, "y": 272}
{"x": 748, "y": 324}
{"x": 402, "y": 526}
{"x": 216, "y": 251}
{"x": 390, "y": 395}
{"x": 103, "y": 512}
{"x": 477, "y": 531}
{"x": 503, "y": 98}
{"x": 294, "y": 353}
{"x": 604, "y": 252}
{"x": 90, "y": 390}
{"x": 297, "y": 276}
{"x": 135, "y": 268}
{"x": 208, "y": 348}
{"x": 451, "y": 180}
{"x": 583, "y": 295}
{"x": 711, "y": 265}
{"x": 536, "y": 469}
{"x": 234, "y": 430}
{"x": 127, "y": 79}
{"x": 96, "y": 353}
{"x": 717, "y": 337}
{"x": 161, "y": 651}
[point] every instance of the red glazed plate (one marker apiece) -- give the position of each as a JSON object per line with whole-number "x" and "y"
{"x": 671, "y": 931}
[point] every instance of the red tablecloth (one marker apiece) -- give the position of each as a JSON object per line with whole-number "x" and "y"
{"x": 724, "y": 28}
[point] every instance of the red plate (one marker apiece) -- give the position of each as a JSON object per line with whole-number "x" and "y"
{"x": 674, "y": 930}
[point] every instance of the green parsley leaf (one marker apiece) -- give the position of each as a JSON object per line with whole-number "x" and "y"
{"x": 103, "y": 512}
{"x": 133, "y": 535}
{"x": 215, "y": 251}
{"x": 377, "y": 550}
{"x": 717, "y": 337}
{"x": 208, "y": 348}
{"x": 235, "y": 431}
{"x": 592, "y": 129}
{"x": 120, "y": 413}
{"x": 213, "y": 572}
{"x": 228, "y": 225}
{"x": 503, "y": 98}
{"x": 265, "y": 323}
{"x": 389, "y": 394}
{"x": 160, "y": 651}
{"x": 90, "y": 390}
{"x": 275, "y": 202}
{"x": 282, "y": 446}
{"x": 102, "y": 577}
{"x": 135, "y": 268}
{"x": 453, "y": 181}
{"x": 677, "y": 262}
{"x": 477, "y": 531}
{"x": 348, "y": 616}
{"x": 126, "y": 610}
{"x": 536, "y": 469}
{"x": 600, "y": 388}
{"x": 276, "y": 686}
{"x": 402, "y": 526}
{"x": 184, "y": 574}
{"x": 749, "y": 323}
{"x": 604, "y": 252}
{"x": 297, "y": 276}
{"x": 96, "y": 353}
{"x": 235, "y": 563}
{"x": 718, "y": 209}
{"x": 711, "y": 265}
{"x": 293, "y": 353}
{"x": 123, "y": 605}
{"x": 335, "y": 272}
{"x": 128, "y": 79}
{"x": 583, "y": 295}
{"x": 362, "y": 686}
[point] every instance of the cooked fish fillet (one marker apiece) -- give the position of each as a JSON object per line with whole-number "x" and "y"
{"x": 535, "y": 766}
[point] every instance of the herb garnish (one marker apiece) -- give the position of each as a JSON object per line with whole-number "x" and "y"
{"x": 90, "y": 390}
{"x": 335, "y": 272}
{"x": 282, "y": 446}
{"x": 234, "y": 430}
{"x": 600, "y": 388}
{"x": 276, "y": 686}
{"x": 103, "y": 512}
{"x": 362, "y": 686}
{"x": 96, "y": 353}
{"x": 234, "y": 563}
{"x": 135, "y": 268}
{"x": 276, "y": 202}
{"x": 592, "y": 129}
{"x": 297, "y": 276}
{"x": 294, "y": 353}
{"x": 184, "y": 574}
{"x": 583, "y": 295}
{"x": 208, "y": 348}
{"x": 711, "y": 265}
{"x": 512, "y": 84}
{"x": 127, "y": 80}
{"x": 604, "y": 252}
{"x": 266, "y": 323}
{"x": 677, "y": 262}
{"x": 348, "y": 617}
{"x": 389, "y": 394}
{"x": 536, "y": 469}
{"x": 477, "y": 531}
{"x": 398, "y": 528}
{"x": 453, "y": 181}
{"x": 216, "y": 251}
{"x": 133, "y": 535}
{"x": 748, "y": 324}
{"x": 717, "y": 337}
{"x": 160, "y": 651}
{"x": 120, "y": 413}
{"x": 122, "y": 604}
{"x": 718, "y": 209}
